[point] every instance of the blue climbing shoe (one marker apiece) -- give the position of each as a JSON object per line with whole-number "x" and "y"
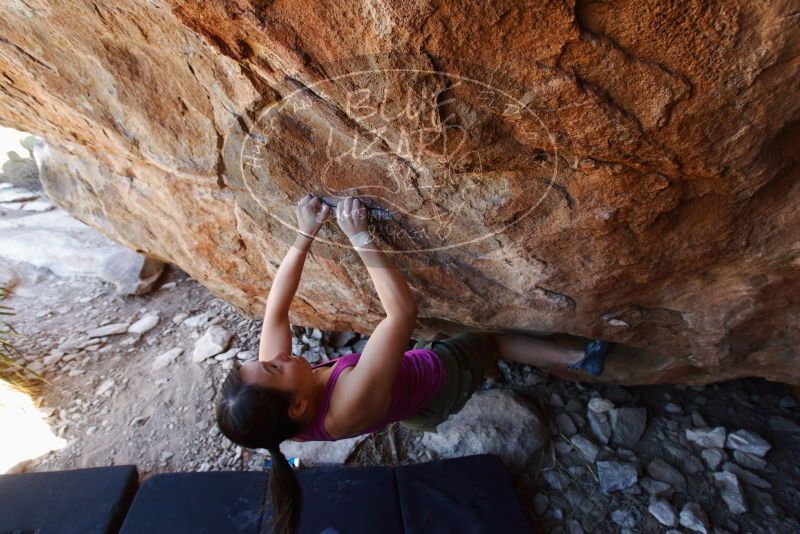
{"x": 594, "y": 357}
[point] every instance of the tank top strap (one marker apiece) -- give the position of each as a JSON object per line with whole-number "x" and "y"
{"x": 323, "y": 364}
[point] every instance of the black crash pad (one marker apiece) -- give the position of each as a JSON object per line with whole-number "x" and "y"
{"x": 79, "y": 501}
{"x": 465, "y": 495}
{"x": 350, "y": 499}
{"x": 217, "y": 502}
{"x": 462, "y": 495}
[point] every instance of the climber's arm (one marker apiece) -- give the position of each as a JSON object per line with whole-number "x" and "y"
{"x": 370, "y": 382}
{"x": 276, "y": 334}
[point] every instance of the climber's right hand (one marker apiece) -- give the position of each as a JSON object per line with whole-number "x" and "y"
{"x": 351, "y": 215}
{"x": 310, "y": 214}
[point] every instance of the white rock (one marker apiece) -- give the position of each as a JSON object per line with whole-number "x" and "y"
{"x": 694, "y": 518}
{"x": 179, "y": 318}
{"x": 707, "y": 437}
{"x": 663, "y": 512}
{"x": 246, "y": 355}
{"x": 145, "y": 324}
{"x": 17, "y": 194}
{"x": 747, "y": 476}
{"x": 196, "y": 321}
{"x": 105, "y": 386}
{"x": 214, "y": 341}
{"x": 56, "y": 241}
{"x": 600, "y": 425}
{"x": 600, "y": 405}
{"x": 11, "y": 205}
{"x": 313, "y": 453}
{"x": 712, "y": 457}
{"x": 228, "y": 354}
{"x": 53, "y": 359}
{"x": 166, "y": 358}
{"x": 731, "y": 491}
{"x": 588, "y": 449}
{"x": 623, "y": 518}
{"x": 107, "y": 330}
{"x": 746, "y": 441}
{"x": 492, "y": 421}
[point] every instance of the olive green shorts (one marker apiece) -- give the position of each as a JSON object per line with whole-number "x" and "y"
{"x": 466, "y": 358}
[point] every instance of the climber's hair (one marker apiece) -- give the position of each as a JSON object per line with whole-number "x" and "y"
{"x": 258, "y": 418}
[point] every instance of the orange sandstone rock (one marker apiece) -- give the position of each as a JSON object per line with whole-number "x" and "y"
{"x": 604, "y": 169}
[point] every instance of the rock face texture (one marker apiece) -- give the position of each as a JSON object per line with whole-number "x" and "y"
{"x": 597, "y": 168}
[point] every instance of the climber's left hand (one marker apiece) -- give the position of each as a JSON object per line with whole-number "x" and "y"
{"x": 311, "y": 214}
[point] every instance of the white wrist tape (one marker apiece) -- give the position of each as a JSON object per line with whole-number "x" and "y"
{"x": 361, "y": 239}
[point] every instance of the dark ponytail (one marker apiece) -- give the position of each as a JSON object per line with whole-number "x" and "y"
{"x": 258, "y": 418}
{"x": 285, "y": 492}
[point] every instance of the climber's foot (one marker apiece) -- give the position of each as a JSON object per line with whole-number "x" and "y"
{"x": 594, "y": 357}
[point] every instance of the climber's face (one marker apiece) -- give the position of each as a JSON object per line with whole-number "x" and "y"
{"x": 284, "y": 372}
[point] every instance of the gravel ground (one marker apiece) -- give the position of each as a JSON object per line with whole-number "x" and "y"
{"x": 140, "y": 398}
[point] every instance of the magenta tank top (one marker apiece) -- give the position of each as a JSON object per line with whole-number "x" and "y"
{"x": 420, "y": 377}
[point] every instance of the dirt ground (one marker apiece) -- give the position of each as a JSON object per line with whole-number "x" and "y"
{"x": 110, "y": 404}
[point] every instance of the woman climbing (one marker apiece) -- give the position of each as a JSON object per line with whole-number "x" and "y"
{"x": 280, "y": 397}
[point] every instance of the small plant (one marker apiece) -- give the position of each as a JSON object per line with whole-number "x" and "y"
{"x": 10, "y": 369}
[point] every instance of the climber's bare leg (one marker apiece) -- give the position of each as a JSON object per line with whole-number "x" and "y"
{"x": 532, "y": 350}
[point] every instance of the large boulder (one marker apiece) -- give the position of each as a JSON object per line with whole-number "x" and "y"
{"x": 21, "y": 172}
{"x": 603, "y": 169}
{"x": 492, "y": 422}
{"x": 56, "y": 241}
